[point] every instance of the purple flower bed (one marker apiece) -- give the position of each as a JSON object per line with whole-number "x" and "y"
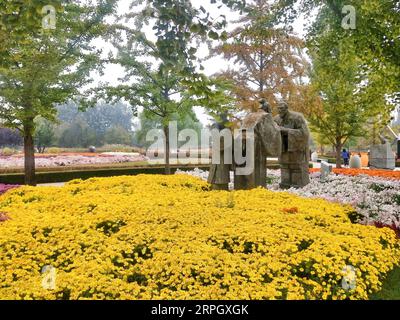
{"x": 5, "y": 187}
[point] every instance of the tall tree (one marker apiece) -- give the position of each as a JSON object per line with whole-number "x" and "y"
{"x": 336, "y": 77}
{"x": 375, "y": 34}
{"x": 350, "y": 93}
{"x": 161, "y": 75}
{"x": 157, "y": 89}
{"x": 364, "y": 38}
{"x": 146, "y": 123}
{"x": 269, "y": 61}
{"x": 44, "y": 61}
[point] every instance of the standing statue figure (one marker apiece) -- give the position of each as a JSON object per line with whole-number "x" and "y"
{"x": 294, "y": 158}
{"x": 219, "y": 176}
{"x": 267, "y": 143}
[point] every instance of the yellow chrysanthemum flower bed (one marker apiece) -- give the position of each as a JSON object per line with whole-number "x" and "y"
{"x": 158, "y": 237}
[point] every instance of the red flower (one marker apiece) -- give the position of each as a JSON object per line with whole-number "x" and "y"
{"x": 291, "y": 210}
{"x": 4, "y": 217}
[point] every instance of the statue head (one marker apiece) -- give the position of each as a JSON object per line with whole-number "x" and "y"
{"x": 264, "y": 105}
{"x": 383, "y": 139}
{"x": 283, "y": 108}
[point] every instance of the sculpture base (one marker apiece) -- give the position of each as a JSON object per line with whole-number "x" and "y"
{"x": 294, "y": 175}
{"x": 382, "y": 157}
{"x": 220, "y": 187}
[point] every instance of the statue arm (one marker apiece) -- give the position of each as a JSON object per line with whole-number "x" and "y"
{"x": 271, "y": 136}
{"x": 298, "y": 137}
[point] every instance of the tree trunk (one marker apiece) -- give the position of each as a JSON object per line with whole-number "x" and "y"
{"x": 167, "y": 150}
{"x": 338, "y": 148}
{"x": 29, "y": 153}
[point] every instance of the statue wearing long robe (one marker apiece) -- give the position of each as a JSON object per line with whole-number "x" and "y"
{"x": 294, "y": 158}
{"x": 267, "y": 143}
{"x": 219, "y": 176}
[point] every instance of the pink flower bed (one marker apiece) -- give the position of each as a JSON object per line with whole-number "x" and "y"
{"x": 5, "y": 187}
{"x": 63, "y": 160}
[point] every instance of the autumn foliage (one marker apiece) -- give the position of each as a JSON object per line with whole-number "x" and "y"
{"x": 269, "y": 61}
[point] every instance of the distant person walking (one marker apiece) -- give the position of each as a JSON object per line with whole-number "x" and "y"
{"x": 345, "y": 157}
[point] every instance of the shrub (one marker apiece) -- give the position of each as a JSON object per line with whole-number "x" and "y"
{"x": 120, "y": 148}
{"x": 8, "y": 152}
{"x": 55, "y": 150}
{"x": 44, "y": 134}
{"x": 333, "y": 161}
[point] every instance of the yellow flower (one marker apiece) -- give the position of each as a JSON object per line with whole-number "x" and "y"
{"x": 170, "y": 237}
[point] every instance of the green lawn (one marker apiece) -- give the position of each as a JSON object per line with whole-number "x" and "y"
{"x": 391, "y": 287}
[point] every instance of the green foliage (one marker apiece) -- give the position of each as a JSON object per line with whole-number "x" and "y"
{"x": 176, "y": 23}
{"x": 54, "y": 150}
{"x": 188, "y": 121}
{"x": 160, "y": 75}
{"x": 44, "y": 134}
{"x": 155, "y": 83}
{"x": 337, "y": 79}
{"x": 78, "y": 134}
{"x": 120, "y": 148}
{"x": 99, "y": 118}
{"x": 65, "y": 174}
{"x": 43, "y": 67}
{"x": 8, "y": 151}
{"x": 375, "y": 37}
{"x": 118, "y": 135}
{"x": 36, "y": 64}
{"x": 391, "y": 288}
{"x": 396, "y": 199}
{"x": 353, "y": 84}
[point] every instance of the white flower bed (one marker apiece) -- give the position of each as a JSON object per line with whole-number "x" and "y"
{"x": 374, "y": 199}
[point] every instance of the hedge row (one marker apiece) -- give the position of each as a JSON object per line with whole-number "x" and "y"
{"x": 65, "y": 176}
